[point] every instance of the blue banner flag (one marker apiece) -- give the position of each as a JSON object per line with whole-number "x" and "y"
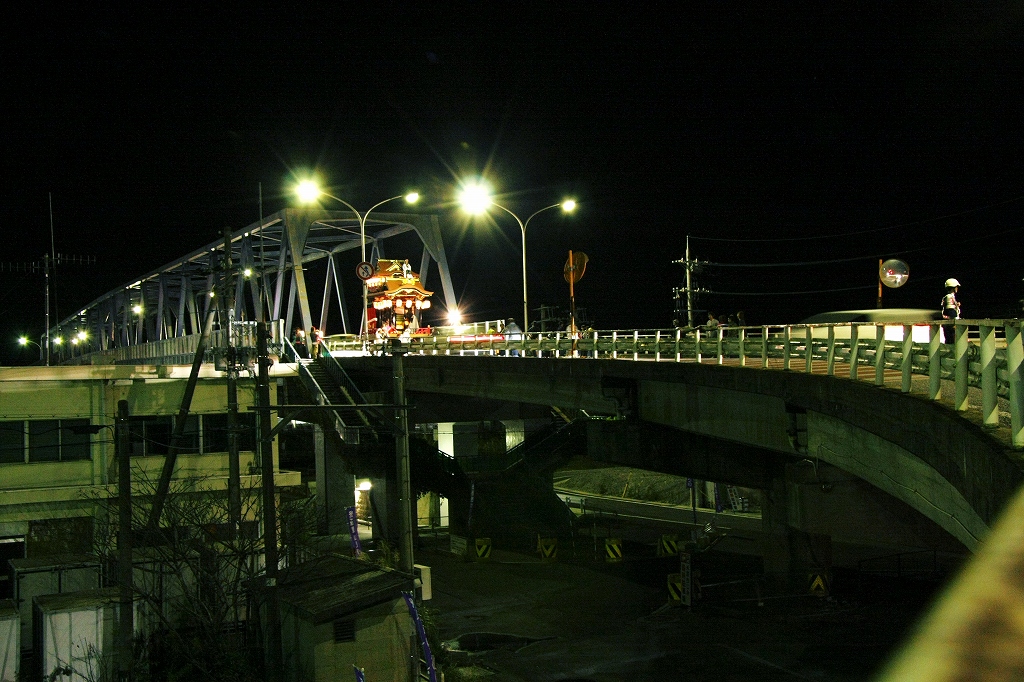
{"x": 353, "y": 530}
{"x": 427, "y": 656}
{"x": 360, "y": 675}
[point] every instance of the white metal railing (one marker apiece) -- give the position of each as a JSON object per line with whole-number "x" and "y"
{"x": 985, "y": 354}
{"x": 180, "y": 350}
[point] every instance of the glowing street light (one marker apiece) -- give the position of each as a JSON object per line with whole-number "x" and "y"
{"x": 308, "y": 191}
{"x": 25, "y": 342}
{"x": 476, "y": 198}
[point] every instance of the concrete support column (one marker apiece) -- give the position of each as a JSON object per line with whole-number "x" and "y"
{"x": 880, "y": 355}
{"x": 989, "y": 402}
{"x": 934, "y": 362}
{"x": 830, "y": 359}
{"x": 907, "y": 361}
{"x": 1015, "y": 378}
{"x": 808, "y": 348}
{"x": 335, "y": 486}
{"x": 764, "y": 347}
{"x": 961, "y": 344}
{"x": 775, "y": 538}
{"x": 384, "y": 510}
{"x": 854, "y": 346}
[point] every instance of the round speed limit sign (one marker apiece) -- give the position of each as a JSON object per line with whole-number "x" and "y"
{"x": 364, "y": 271}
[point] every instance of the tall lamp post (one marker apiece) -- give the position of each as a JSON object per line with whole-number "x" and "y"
{"x": 24, "y": 342}
{"x": 308, "y": 192}
{"x": 475, "y": 199}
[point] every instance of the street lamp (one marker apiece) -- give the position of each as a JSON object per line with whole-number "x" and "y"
{"x": 25, "y": 342}
{"x": 308, "y": 192}
{"x": 476, "y": 198}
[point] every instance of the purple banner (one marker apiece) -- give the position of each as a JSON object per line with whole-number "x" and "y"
{"x": 427, "y": 656}
{"x": 353, "y": 530}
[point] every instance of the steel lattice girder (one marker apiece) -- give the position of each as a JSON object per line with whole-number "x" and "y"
{"x": 175, "y": 298}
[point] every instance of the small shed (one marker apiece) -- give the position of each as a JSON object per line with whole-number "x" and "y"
{"x": 10, "y": 641}
{"x": 338, "y": 612}
{"x": 36, "y": 577}
{"x": 74, "y": 634}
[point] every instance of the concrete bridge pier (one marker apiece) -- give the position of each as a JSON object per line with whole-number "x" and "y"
{"x": 786, "y": 549}
{"x": 335, "y": 484}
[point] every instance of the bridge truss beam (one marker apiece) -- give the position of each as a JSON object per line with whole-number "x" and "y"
{"x": 275, "y": 263}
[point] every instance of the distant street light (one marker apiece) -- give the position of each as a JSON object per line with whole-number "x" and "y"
{"x": 308, "y": 192}
{"x": 24, "y": 342}
{"x": 476, "y": 198}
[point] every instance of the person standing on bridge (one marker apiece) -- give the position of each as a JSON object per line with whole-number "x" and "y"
{"x": 512, "y": 332}
{"x": 316, "y": 338}
{"x": 299, "y": 343}
{"x": 712, "y": 325}
{"x": 950, "y": 309}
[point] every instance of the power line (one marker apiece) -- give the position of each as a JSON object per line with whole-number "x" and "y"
{"x": 876, "y": 256}
{"x": 925, "y": 221}
{"x": 785, "y": 293}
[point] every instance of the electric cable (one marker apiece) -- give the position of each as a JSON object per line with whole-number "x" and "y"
{"x": 897, "y": 226}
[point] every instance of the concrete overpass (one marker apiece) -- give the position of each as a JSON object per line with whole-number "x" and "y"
{"x": 937, "y": 427}
{"x": 830, "y": 454}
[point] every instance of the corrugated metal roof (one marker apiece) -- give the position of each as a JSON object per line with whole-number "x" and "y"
{"x": 78, "y": 601}
{"x": 332, "y": 587}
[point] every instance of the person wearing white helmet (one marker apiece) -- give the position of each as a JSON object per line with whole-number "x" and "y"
{"x": 950, "y": 306}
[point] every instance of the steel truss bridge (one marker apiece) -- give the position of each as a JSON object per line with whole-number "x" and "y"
{"x": 262, "y": 272}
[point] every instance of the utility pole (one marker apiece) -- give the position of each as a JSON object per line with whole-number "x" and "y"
{"x": 126, "y": 617}
{"x": 226, "y": 318}
{"x": 402, "y": 458}
{"x": 879, "y": 302}
{"x": 689, "y": 286}
{"x": 266, "y": 452}
{"x": 690, "y": 266}
{"x": 46, "y": 265}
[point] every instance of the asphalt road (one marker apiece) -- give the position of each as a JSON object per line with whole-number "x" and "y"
{"x": 514, "y": 618}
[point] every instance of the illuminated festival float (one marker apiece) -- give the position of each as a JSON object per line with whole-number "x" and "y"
{"x": 398, "y": 300}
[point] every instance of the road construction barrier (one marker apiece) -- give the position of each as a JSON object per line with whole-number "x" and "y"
{"x": 483, "y": 549}
{"x": 548, "y": 548}
{"x": 612, "y": 549}
{"x": 818, "y": 583}
{"x": 669, "y": 545}
{"x": 675, "y": 588}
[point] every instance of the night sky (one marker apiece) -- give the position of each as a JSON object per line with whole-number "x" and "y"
{"x": 794, "y": 150}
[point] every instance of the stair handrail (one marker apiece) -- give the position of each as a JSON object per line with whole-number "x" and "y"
{"x": 350, "y": 390}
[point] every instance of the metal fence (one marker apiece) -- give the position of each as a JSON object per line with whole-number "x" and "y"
{"x": 984, "y": 354}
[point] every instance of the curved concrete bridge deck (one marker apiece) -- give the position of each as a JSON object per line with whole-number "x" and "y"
{"x": 950, "y": 469}
{"x": 935, "y": 425}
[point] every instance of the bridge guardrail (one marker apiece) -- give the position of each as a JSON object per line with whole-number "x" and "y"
{"x": 985, "y": 354}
